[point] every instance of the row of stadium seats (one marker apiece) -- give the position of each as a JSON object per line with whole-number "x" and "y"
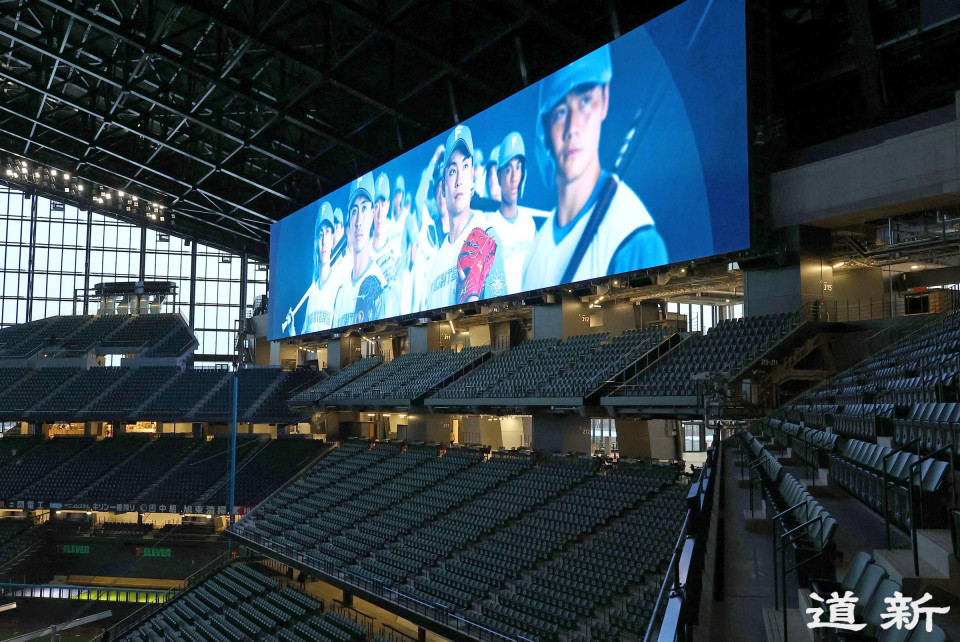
{"x": 241, "y": 602}
{"x": 134, "y": 469}
{"x": 148, "y": 393}
{"x": 862, "y": 469}
{"x": 409, "y": 376}
{"x": 336, "y": 380}
{"x": 810, "y": 546}
{"x": 724, "y": 351}
{"x": 873, "y": 590}
{"x": 78, "y": 333}
{"x": 455, "y": 528}
{"x": 575, "y": 367}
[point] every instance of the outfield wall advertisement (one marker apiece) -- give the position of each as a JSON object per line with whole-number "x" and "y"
{"x": 631, "y": 157}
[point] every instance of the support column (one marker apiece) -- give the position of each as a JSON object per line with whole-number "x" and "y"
{"x": 193, "y": 286}
{"x": 32, "y": 255}
{"x": 86, "y": 264}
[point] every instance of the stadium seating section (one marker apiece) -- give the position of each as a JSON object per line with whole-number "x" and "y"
{"x": 75, "y": 334}
{"x": 450, "y": 530}
{"x": 575, "y": 367}
{"x": 149, "y": 393}
{"x": 336, "y": 381}
{"x": 409, "y": 376}
{"x": 139, "y": 469}
{"x": 723, "y": 352}
{"x": 242, "y": 602}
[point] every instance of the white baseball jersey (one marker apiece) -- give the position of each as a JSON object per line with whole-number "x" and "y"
{"x": 320, "y": 300}
{"x": 387, "y": 258}
{"x": 442, "y": 278}
{"x": 554, "y": 246}
{"x": 517, "y": 237}
{"x": 345, "y": 308}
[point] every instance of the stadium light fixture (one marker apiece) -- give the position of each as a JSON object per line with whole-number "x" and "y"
{"x": 839, "y": 264}
{"x": 914, "y": 267}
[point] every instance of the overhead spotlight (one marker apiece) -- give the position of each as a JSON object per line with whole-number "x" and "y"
{"x": 914, "y": 267}
{"x": 839, "y": 264}
{"x": 66, "y": 176}
{"x": 53, "y": 173}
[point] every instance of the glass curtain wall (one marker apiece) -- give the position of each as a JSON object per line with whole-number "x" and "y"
{"x": 51, "y": 253}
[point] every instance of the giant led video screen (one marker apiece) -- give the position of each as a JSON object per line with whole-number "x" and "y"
{"x": 631, "y": 157}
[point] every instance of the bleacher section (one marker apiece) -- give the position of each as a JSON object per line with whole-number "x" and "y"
{"x": 241, "y": 602}
{"x": 183, "y": 393}
{"x": 549, "y": 369}
{"x": 198, "y": 473}
{"x": 71, "y": 398}
{"x": 149, "y": 393}
{"x": 33, "y": 388}
{"x": 275, "y": 405}
{"x": 177, "y": 342}
{"x": 133, "y": 391}
{"x": 269, "y": 469}
{"x": 723, "y": 352}
{"x": 408, "y": 377}
{"x": 23, "y": 470}
{"x": 253, "y": 383}
{"x": 336, "y": 381}
{"x": 143, "y": 330}
{"x": 455, "y": 531}
{"x": 86, "y": 467}
{"x": 136, "y": 469}
{"x": 907, "y": 391}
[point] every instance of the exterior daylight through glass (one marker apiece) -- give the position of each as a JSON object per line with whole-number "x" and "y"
{"x": 631, "y": 157}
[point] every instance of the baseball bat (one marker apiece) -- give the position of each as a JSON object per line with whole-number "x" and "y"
{"x": 283, "y": 328}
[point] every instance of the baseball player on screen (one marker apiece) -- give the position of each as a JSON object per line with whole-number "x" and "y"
{"x": 600, "y": 226}
{"x": 514, "y": 223}
{"x": 385, "y": 247}
{"x": 493, "y": 181}
{"x": 361, "y": 297}
{"x": 468, "y": 266}
{"x": 320, "y": 295}
{"x": 340, "y": 247}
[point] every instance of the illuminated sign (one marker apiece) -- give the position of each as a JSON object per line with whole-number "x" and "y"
{"x": 631, "y": 157}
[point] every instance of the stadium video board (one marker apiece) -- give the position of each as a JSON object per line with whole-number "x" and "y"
{"x": 631, "y": 157}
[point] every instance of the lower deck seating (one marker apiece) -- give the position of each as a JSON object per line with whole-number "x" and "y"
{"x": 552, "y": 543}
{"x": 242, "y": 602}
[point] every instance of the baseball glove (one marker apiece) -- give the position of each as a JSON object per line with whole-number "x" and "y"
{"x": 369, "y": 300}
{"x": 474, "y": 264}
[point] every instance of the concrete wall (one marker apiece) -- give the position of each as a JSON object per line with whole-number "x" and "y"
{"x": 430, "y": 427}
{"x": 568, "y": 433}
{"x": 904, "y": 173}
{"x": 548, "y": 322}
{"x": 654, "y": 438}
{"x": 618, "y": 318}
{"x": 480, "y": 335}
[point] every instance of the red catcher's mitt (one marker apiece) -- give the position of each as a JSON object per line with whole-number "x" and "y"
{"x": 476, "y": 258}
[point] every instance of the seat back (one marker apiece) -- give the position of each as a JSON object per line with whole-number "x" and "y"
{"x": 869, "y": 581}
{"x": 859, "y": 564}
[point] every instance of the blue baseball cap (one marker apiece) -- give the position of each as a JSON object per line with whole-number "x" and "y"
{"x": 459, "y": 136}
{"x": 399, "y": 185}
{"x": 338, "y": 216}
{"x": 383, "y": 186}
{"x": 594, "y": 68}
{"x": 511, "y": 147}
{"x": 363, "y": 186}
{"x": 326, "y": 215}
{"x": 494, "y": 156}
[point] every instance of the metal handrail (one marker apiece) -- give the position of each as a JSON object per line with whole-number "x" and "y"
{"x": 883, "y": 472}
{"x": 914, "y": 468}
